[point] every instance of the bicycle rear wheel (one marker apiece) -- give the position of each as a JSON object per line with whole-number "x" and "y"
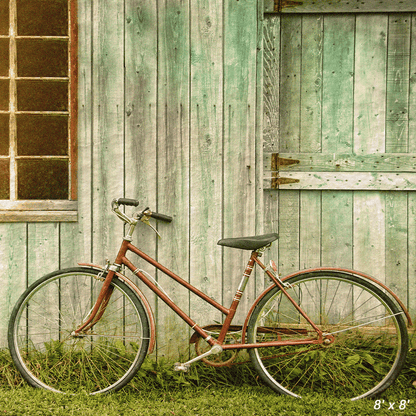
{"x": 49, "y": 356}
{"x": 370, "y": 337}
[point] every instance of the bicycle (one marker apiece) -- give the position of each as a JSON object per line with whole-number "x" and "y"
{"x": 89, "y": 328}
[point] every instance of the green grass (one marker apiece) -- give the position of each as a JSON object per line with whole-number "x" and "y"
{"x": 158, "y": 390}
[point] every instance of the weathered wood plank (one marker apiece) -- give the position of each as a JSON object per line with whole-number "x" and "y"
{"x": 173, "y": 166}
{"x": 369, "y": 233}
{"x": 412, "y": 87}
{"x": 310, "y": 229}
{"x": 348, "y": 180}
{"x": 107, "y": 125}
{"x": 338, "y": 86}
{"x": 311, "y": 85}
{"x": 370, "y": 83}
{"x": 271, "y": 83}
{"x": 397, "y": 100}
{"x": 397, "y": 242}
{"x": 337, "y": 229}
{"x": 289, "y": 207}
{"x": 13, "y": 271}
{"x": 338, "y": 162}
{"x": 411, "y": 281}
{"x": 290, "y": 78}
{"x": 140, "y": 153}
{"x": 38, "y": 216}
{"x": 240, "y": 71}
{"x": 206, "y": 157}
{"x": 339, "y": 6}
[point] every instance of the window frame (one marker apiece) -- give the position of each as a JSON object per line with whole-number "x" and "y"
{"x": 14, "y": 210}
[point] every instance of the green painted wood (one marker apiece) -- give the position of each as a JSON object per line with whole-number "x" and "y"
{"x": 290, "y": 78}
{"x": 271, "y": 83}
{"x": 173, "y": 149}
{"x": 397, "y": 100}
{"x": 410, "y": 298}
{"x": 339, "y": 6}
{"x": 397, "y": 242}
{"x": 337, "y": 229}
{"x": 412, "y": 87}
{"x": 311, "y": 84}
{"x": 310, "y": 239}
{"x": 338, "y": 84}
{"x": 206, "y": 161}
{"x": 13, "y": 271}
{"x": 370, "y": 84}
{"x": 365, "y": 181}
{"x": 370, "y": 233}
{"x": 240, "y": 72}
{"x": 107, "y": 115}
{"x": 289, "y": 221}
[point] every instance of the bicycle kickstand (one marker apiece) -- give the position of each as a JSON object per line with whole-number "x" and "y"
{"x": 216, "y": 349}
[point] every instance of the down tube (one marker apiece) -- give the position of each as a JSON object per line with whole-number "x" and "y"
{"x": 168, "y": 302}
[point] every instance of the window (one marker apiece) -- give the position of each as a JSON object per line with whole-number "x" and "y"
{"x": 38, "y": 109}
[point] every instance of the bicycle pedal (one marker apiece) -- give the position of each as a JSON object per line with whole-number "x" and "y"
{"x": 181, "y": 367}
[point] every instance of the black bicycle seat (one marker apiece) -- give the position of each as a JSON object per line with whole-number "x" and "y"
{"x": 249, "y": 243}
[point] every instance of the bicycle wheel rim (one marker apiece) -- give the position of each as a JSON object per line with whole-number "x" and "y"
{"x": 48, "y": 356}
{"x": 370, "y": 337}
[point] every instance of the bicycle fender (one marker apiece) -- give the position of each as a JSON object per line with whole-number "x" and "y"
{"x": 327, "y": 269}
{"x": 142, "y": 297}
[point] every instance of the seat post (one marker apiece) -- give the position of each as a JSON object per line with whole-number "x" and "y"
{"x": 237, "y": 297}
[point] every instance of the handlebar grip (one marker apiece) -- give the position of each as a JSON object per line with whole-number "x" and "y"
{"x": 161, "y": 217}
{"x": 127, "y": 201}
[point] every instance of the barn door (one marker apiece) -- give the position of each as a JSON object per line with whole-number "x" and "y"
{"x": 340, "y": 142}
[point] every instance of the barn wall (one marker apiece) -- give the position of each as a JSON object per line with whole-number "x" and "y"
{"x": 168, "y": 112}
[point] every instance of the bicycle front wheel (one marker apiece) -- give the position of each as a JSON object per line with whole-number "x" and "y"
{"x": 42, "y": 341}
{"x": 370, "y": 339}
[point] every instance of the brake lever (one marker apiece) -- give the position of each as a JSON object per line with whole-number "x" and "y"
{"x": 145, "y": 219}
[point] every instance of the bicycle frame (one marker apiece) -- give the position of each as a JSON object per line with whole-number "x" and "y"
{"x": 229, "y": 313}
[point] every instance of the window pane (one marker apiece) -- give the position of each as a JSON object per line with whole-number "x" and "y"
{"x": 42, "y": 58}
{"x": 4, "y": 17}
{"x": 4, "y": 57}
{"x": 34, "y": 95}
{"x": 42, "y": 135}
{"x": 42, "y": 179}
{"x": 42, "y": 18}
{"x": 4, "y": 134}
{"x": 4, "y": 94}
{"x": 4, "y": 178}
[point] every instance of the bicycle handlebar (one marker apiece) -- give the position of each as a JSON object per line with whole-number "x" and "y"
{"x": 147, "y": 212}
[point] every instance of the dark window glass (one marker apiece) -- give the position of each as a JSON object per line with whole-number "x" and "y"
{"x": 4, "y": 179}
{"x": 4, "y": 134}
{"x": 42, "y": 135}
{"x": 40, "y": 17}
{"x": 4, "y": 94}
{"x": 4, "y": 57}
{"x": 42, "y": 179}
{"x": 4, "y": 17}
{"x": 42, "y": 58}
{"x": 36, "y": 95}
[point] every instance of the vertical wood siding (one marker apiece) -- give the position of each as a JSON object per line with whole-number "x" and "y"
{"x": 342, "y": 84}
{"x": 168, "y": 105}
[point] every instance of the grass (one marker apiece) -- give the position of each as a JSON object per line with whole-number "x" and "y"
{"x": 158, "y": 390}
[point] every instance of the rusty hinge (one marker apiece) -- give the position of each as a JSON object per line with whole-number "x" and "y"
{"x": 276, "y": 162}
{"x": 281, "y": 4}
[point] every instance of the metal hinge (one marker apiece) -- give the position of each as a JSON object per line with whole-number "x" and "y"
{"x": 282, "y": 4}
{"x": 276, "y": 162}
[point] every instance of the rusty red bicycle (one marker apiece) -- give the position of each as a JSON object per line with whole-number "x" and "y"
{"x": 89, "y": 328}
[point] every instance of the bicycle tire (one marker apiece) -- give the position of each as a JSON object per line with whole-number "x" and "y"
{"x": 47, "y": 354}
{"x": 370, "y": 346}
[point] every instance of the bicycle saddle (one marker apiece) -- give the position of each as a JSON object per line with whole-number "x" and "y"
{"x": 249, "y": 243}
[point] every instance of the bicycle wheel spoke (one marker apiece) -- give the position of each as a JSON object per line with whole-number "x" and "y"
{"x": 103, "y": 359}
{"x": 367, "y": 351}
